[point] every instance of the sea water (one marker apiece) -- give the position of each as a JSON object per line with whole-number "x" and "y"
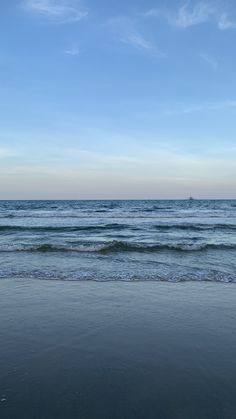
{"x": 153, "y": 240}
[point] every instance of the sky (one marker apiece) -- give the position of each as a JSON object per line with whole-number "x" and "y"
{"x": 107, "y": 99}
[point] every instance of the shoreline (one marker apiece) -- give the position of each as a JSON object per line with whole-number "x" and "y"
{"x": 118, "y": 281}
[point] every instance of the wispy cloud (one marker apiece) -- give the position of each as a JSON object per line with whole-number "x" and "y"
{"x": 136, "y": 40}
{"x": 191, "y": 15}
{"x": 5, "y": 152}
{"x": 225, "y": 23}
{"x": 210, "y": 61}
{"x": 61, "y": 11}
{"x": 96, "y": 159}
{"x": 73, "y": 50}
{"x": 186, "y": 17}
{"x": 193, "y": 108}
{"x": 125, "y": 31}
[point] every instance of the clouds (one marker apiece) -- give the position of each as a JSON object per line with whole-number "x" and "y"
{"x": 68, "y": 11}
{"x": 210, "y": 61}
{"x": 5, "y": 152}
{"x": 94, "y": 91}
{"x": 186, "y": 16}
{"x": 203, "y": 107}
{"x": 190, "y": 14}
{"x": 126, "y": 30}
{"x": 60, "y": 11}
{"x": 136, "y": 40}
{"x": 65, "y": 171}
{"x": 73, "y": 50}
{"x": 95, "y": 160}
{"x": 225, "y": 22}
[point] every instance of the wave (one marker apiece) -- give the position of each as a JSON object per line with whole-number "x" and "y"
{"x": 82, "y": 276}
{"x": 114, "y": 246}
{"x": 196, "y": 227}
{"x": 114, "y": 226}
{"x": 117, "y": 246}
{"x": 92, "y": 215}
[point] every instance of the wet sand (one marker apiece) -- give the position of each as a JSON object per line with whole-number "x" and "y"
{"x": 117, "y": 350}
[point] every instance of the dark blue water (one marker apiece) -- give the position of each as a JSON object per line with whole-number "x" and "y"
{"x": 119, "y": 240}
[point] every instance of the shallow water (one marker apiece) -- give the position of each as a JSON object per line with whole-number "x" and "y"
{"x": 119, "y": 240}
{"x": 117, "y": 350}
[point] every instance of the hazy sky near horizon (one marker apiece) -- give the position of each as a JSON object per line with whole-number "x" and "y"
{"x": 117, "y": 99}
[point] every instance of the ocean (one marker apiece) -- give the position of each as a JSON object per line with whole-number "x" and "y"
{"x": 148, "y": 240}
{"x": 117, "y": 309}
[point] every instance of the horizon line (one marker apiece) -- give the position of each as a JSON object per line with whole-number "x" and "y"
{"x": 117, "y": 199}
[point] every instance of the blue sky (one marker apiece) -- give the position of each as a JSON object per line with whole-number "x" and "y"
{"x": 108, "y": 99}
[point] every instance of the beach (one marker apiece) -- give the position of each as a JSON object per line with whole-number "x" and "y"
{"x": 117, "y": 349}
{"x": 118, "y": 209}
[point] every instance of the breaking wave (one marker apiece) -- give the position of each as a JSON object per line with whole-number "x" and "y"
{"x": 114, "y": 246}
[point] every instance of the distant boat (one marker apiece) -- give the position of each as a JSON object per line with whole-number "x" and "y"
{"x": 191, "y": 198}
